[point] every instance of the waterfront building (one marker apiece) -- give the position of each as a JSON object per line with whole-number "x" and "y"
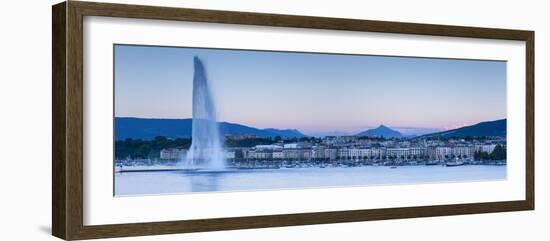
{"x": 365, "y": 153}
{"x": 306, "y": 154}
{"x": 377, "y": 153}
{"x": 443, "y": 152}
{"x": 463, "y": 151}
{"x": 172, "y": 153}
{"x": 318, "y": 152}
{"x": 230, "y": 155}
{"x": 290, "y": 146}
{"x": 399, "y": 153}
{"x": 238, "y": 152}
{"x": 354, "y": 153}
{"x": 486, "y": 148}
{"x": 353, "y": 148}
{"x": 331, "y": 153}
{"x": 419, "y": 152}
{"x": 268, "y": 147}
{"x": 291, "y": 154}
{"x": 259, "y": 154}
{"x": 343, "y": 153}
{"x": 246, "y": 153}
{"x": 278, "y": 155}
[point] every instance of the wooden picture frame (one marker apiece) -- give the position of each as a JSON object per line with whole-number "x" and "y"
{"x": 67, "y": 123}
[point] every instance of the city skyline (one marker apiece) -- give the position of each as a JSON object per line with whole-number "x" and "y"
{"x": 314, "y": 93}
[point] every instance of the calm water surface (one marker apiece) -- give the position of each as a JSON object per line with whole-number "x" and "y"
{"x": 170, "y": 182}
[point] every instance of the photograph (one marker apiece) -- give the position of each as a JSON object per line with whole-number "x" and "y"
{"x": 190, "y": 119}
{"x": 183, "y": 120}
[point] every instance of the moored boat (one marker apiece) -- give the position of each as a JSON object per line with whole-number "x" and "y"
{"x": 454, "y": 163}
{"x": 433, "y": 163}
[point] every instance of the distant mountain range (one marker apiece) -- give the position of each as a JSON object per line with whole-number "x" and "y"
{"x": 487, "y": 128}
{"x": 146, "y": 129}
{"x": 381, "y": 131}
{"x": 416, "y": 131}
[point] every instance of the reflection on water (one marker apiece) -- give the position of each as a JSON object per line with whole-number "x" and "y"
{"x": 203, "y": 182}
{"x": 168, "y": 182}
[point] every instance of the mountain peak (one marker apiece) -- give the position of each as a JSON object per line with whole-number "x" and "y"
{"x": 381, "y": 131}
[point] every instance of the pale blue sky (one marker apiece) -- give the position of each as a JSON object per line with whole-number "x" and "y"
{"x": 315, "y": 93}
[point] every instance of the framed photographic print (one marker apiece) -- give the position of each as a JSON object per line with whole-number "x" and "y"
{"x": 171, "y": 120}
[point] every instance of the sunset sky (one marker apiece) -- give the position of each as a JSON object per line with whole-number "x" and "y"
{"x": 314, "y": 93}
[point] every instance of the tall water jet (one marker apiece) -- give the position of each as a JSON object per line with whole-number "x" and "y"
{"x": 206, "y": 149}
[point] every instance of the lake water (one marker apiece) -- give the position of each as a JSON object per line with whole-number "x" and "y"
{"x": 171, "y": 182}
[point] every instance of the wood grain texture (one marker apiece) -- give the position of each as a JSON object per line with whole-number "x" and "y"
{"x": 530, "y": 120}
{"x": 75, "y": 120}
{"x": 58, "y": 121}
{"x": 154, "y": 228}
{"x": 67, "y": 79}
{"x": 264, "y": 19}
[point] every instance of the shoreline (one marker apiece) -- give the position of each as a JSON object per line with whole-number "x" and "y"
{"x": 173, "y": 168}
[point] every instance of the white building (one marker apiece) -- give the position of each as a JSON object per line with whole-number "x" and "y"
{"x": 418, "y": 151}
{"x": 443, "y": 152}
{"x": 486, "y": 148}
{"x": 318, "y": 152}
{"x": 259, "y": 154}
{"x": 292, "y": 154}
{"x": 290, "y": 146}
{"x": 172, "y": 153}
{"x": 331, "y": 153}
{"x": 400, "y": 153}
{"x": 463, "y": 151}
{"x": 364, "y": 153}
{"x": 268, "y": 147}
{"x": 343, "y": 153}
{"x": 229, "y": 154}
{"x": 278, "y": 155}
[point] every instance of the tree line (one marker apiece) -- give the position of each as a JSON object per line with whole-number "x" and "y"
{"x": 150, "y": 149}
{"x": 140, "y": 149}
{"x": 499, "y": 153}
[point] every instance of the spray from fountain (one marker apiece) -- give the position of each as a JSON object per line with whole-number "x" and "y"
{"x": 206, "y": 148}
